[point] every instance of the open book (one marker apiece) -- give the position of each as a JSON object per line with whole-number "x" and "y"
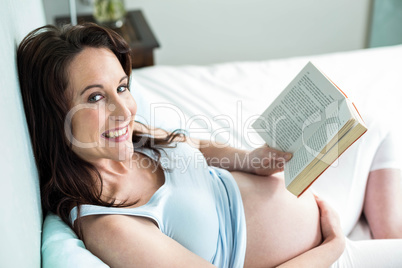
{"x": 313, "y": 119}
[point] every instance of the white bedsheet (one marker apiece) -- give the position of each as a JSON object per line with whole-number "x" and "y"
{"x": 221, "y": 101}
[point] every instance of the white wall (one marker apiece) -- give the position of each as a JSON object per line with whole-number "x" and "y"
{"x": 211, "y": 31}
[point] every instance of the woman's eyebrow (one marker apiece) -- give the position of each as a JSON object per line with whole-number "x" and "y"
{"x": 100, "y": 86}
{"x": 89, "y": 87}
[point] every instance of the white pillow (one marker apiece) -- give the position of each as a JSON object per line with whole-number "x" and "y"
{"x": 62, "y": 248}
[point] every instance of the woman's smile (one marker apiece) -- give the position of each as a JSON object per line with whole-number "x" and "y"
{"x": 117, "y": 134}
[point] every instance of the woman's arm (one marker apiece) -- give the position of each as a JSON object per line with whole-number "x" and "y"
{"x": 383, "y": 203}
{"x": 260, "y": 161}
{"x": 127, "y": 241}
{"x": 332, "y": 247}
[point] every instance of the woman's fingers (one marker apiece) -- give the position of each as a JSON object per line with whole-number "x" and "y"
{"x": 276, "y": 154}
{"x": 330, "y": 223}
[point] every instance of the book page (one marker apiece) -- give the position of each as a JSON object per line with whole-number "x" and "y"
{"x": 335, "y": 116}
{"x": 294, "y": 113}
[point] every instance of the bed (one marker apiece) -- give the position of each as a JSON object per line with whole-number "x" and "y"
{"x": 218, "y": 101}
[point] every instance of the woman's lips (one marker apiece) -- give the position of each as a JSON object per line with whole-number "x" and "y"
{"x": 117, "y": 134}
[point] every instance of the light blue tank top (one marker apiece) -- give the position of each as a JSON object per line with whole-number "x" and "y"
{"x": 198, "y": 206}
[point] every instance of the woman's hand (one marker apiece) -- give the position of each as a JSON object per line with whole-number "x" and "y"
{"x": 330, "y": 249}
{"x": 265, "y": 161}
{"x": 330, "y": 224}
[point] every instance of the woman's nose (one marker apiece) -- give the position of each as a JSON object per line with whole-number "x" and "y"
{"x": 119, "y": 111}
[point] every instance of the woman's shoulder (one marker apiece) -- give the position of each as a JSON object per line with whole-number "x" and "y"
{"x": 103, "y": 233}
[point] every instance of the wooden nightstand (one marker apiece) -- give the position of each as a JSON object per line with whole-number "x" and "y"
{"x": 135, "y": 31}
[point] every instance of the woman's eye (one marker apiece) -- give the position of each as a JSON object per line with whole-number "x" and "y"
{"x": 122, "y": 88}
{"x": 95, "y": 98}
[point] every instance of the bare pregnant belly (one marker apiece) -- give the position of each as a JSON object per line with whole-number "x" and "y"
{"x": 280, "y": 226}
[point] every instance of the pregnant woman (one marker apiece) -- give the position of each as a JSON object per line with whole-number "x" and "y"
{"x": 143, "y": 197}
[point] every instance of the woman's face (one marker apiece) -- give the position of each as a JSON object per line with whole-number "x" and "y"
{"x": 103, "y": 109}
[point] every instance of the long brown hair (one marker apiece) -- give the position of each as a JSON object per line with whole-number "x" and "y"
{"x": 43, "y": 56}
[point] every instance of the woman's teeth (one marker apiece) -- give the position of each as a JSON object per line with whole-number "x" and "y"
{"x": 115, "y": 134}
